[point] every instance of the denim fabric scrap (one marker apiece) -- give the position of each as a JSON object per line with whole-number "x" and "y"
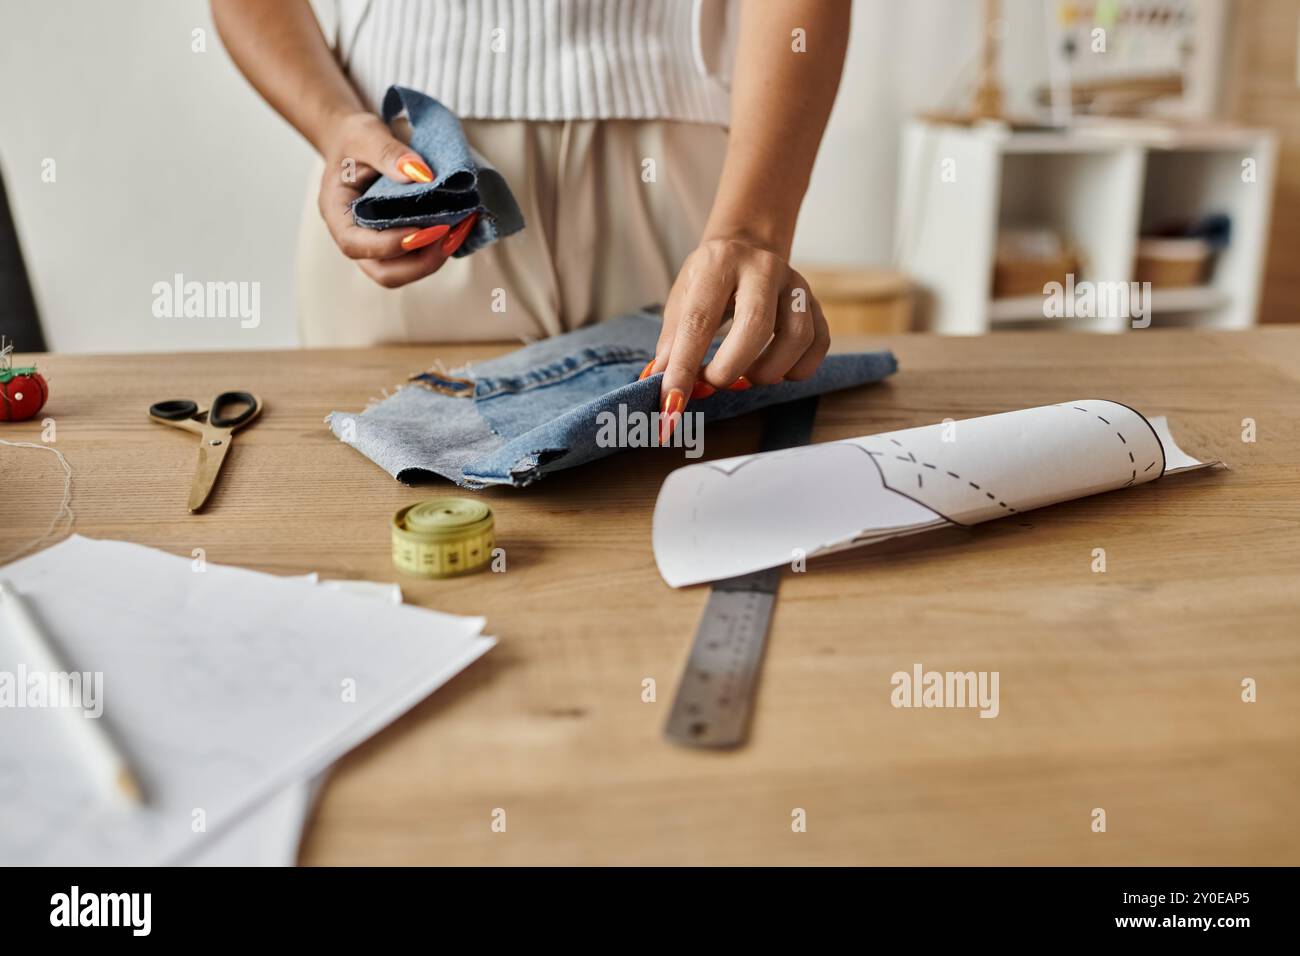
{"x": 464, "y": 182}
{"x": 536, "y": 410}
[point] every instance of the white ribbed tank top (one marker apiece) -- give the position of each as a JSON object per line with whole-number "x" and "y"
{"x": 546, "y": 59}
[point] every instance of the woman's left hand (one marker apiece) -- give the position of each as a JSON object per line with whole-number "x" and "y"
{"x": 778, "y": 330}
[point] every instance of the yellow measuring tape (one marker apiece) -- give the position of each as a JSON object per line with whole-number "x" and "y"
{"x": 443, "y": 537}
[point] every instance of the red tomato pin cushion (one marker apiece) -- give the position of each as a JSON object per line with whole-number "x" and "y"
{"x": 22, "y": 393}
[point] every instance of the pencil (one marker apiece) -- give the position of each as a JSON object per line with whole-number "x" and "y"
{"x": 105, "y": 760}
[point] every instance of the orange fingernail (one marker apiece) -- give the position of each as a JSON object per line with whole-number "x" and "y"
{"x": 413, "y": 167}
{"x": 740, "y": 384}
{"x": 645, "y": 372}
{"x": 674, "y": 402}
{"x": 702, "y": 390}
{"x": 458, "y": 234}
{"x": 418, "y": 240}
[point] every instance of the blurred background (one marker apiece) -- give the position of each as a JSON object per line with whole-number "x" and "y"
{"x": 131, "y": 150}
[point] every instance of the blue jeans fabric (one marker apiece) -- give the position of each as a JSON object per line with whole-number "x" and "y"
{"x": 515, "y": 419}
{"x": 464, "y": 182}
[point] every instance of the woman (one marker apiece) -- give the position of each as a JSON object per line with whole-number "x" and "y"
{"x": 609, "y": 119}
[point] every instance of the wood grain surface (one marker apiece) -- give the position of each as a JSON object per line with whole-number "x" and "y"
{"x": 1119, "y": 691}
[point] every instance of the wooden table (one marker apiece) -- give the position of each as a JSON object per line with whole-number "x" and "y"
{"x": 1119, "y": 690}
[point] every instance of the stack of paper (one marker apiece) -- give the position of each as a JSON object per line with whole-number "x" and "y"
{"x": 228, "y": 691}
{"x": 271, "y": 834}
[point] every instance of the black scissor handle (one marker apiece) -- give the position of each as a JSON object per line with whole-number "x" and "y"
{"x": 175, "y": 410}
{"x": 217, "y": 416}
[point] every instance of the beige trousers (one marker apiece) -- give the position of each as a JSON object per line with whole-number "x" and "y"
{"x": 611, "y": 208}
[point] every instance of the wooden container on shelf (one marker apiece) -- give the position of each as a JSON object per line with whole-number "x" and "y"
{"x": 1172, "y": 263}
{"x": 1020, "y": 277}
{"x": 863, "y": 301}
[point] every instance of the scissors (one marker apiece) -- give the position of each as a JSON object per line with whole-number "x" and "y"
{"x": 215, "y": 427}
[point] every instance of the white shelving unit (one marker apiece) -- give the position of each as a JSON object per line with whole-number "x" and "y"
{"x": 1099, "y": 189}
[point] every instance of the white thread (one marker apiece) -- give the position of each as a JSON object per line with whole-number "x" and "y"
{"x": 65, "y": 506}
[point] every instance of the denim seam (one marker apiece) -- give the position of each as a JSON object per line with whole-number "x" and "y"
{"x": 556, "y": 372}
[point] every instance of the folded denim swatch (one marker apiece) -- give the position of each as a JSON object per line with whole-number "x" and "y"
{"x": 540, "y": 409}
{"x": 464, "y": 182}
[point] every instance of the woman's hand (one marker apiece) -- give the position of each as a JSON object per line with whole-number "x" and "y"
{"x": 778, "y": 330}
{"x": 358, "y": 150}
{"x": 280, "y": 48}
{"x": 781, "y": 97}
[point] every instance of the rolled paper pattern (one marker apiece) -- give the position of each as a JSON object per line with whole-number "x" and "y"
{"x": 720, "y": 519}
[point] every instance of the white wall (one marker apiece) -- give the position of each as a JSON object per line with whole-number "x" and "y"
{"x": 904, "y": 58}
{"x": 166, "y": 161}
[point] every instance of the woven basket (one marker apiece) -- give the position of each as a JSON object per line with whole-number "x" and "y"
{"x": 1172, "y": 263}
{"x": 1013, "y": 278}
{"x": 863, "y": 301}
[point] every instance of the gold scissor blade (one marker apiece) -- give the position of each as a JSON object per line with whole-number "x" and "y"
{"x": 212, "y": 452}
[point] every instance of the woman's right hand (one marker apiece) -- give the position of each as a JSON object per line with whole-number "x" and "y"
{"x": 280, "y": 48}
{"x": 359, "y": 149}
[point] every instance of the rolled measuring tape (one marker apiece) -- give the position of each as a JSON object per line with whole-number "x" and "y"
{"x": 443, "y": 537}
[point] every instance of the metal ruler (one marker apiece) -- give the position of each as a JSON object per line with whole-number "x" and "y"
{"x": 716, "y": 693}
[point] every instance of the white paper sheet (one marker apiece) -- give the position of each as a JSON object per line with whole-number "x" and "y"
{"x": 223, "y": 687}
{"x": 720, "y": 519}
{"x": 271, "y": 833}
